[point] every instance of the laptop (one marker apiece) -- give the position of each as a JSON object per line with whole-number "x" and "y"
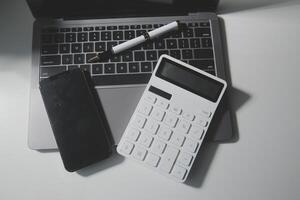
{"x": 67, "y": 33}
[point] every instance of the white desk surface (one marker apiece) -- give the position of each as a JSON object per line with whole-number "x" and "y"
{"x": 264, "y": 56}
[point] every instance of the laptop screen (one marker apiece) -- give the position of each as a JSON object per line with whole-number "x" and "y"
{"x": 116, "y": 8}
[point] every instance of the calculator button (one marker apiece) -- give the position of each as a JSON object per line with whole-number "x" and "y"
{"x": 151, "y": 126}
{"x": 150, "y": 98}
{"x": 164, "y": 133}
{"x": 152, "y": 159}
{"x": 190, "y": 145}
{"x": 158, "y": 147}
{"x": 177, "y": 139}
{"x": 200, "y": 121}
{"x": 196, "y": 132}
{"x": 171, "y": 120}
{"x": 139, "y": 153}
{"x": 126, "y": 147}
{"x": 183, "y": 126}
{"x": 168, "y": 159}
{"x": 139, "y": 121}
{"x": 145, "y": 140}
{"x": 179, "y": 172}
{"x": 145, "y": 108}
{"x": 132, "y": 134}
{"x": 184, "y": 159}
{"x": 188, "y": 116}
{"x": 175, "y": 109}
{"x": 163, "y": 104}
{"x": 206, "y": 113}
{"x": 158, "y": 114}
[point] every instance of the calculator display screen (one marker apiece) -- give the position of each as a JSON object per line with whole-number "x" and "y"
{"x": 190, "y": 80}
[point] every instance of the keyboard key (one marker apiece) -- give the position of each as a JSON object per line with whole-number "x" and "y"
{"x": 151, "y": 55}
{"x": 122, "y": 79}
{"x": 195, "y": 43}
{"x": 139, "y": 55}
{"x": 78, "y": 58}
{"x": 184, "y": 159}
{"x": 152, "y": 159}
{"x": 51, "y": 60}
{"x": 175, "y": 54}
{"x": 140, "y": 32}
{"x": 189, "y": 116}
{"x": 161, "y": 52}
{"x": 196, "y": 132}
{"x": 46, "y": 38}
{"x": 94, "y": 36}
{"x": 171, "y": 43}
{"x": 188, "y": 33}
{"x": 190, "y": 145}
{"x": 82, "y": 37}
{"x": 146, "y": 67}
{"x": 100, "y": 46}
{"x": 64, "y": 48}
{"x": 171, "y": 120}
{"x": 145, "y": 108}
{"x": 187, "y": 54}
{"x": 206, "y": 42}
{"x": 67, "y": 59}
{"x": 115, "y": 58}
{"x": 89, "y": 56}
{"x": 135, "y": 26}
{"x": 139, "y": 121}
{"x": 97, "y": 68}
{"x": 132, "y": 134}
{"x": 202, "y": 32}
{"x": 205, "y": 113}
{"x": 139, "y": 153}
{"x": 203, "y": 64}
{"x": 112, "y": 27}
{"x": 203, "y": 53}
{"x": 204, "y": 24}
{"x": 164, "y": 132}
{"x": 126, "y": 147}
{"x": 129, "y": 35}
{"x": 148, "y": 45}
{"x": 106, "y": 35}
{"x": 158, "y": 147}
{"x": 183, "y": 126}
{"x": 88, "y": 28}
{"x": 183, "y": 43}
{"x": 50, "y": 49}
{"x": 59, "y": 38}
{"x": 145, "y": 140}
{"x": 179, "y": 172}
{"x": 50, "y": 71}
{"x": 121, "y": 67}
{"x": 159, "y": 44}
{"x": 200, "y": 120}
{"x": 76, "y": 48}
{"x": 127, "y": 56}
{"x": 100, "y": 28}
{"x": 168, "y": 159}
{"x": 177, "y": 139}
{"x": 85, "y": 67}
{"x": 118, "y": 35}
{"x": 175, "y": 109}
{"x": 133, "y": 67}
{"x": 151, "y": 126}
{"x": 88, "y": 47}
{"x": 109, "y": 68}
{"x": 158, "y": 114}
{"x": 111, "y": 44}
{"x": 70, "y": 37}
{"x": 123, "y": 27}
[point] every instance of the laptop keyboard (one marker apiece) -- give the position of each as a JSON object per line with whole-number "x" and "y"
{"x": 67, "y": 48}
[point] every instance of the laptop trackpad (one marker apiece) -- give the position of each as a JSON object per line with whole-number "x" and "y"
{"x": 119, "y": 104}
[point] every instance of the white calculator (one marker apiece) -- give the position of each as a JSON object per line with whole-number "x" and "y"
{"x": 171, "y": 119}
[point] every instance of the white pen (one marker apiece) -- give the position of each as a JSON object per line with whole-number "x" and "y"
{"x": 105, "y": 55}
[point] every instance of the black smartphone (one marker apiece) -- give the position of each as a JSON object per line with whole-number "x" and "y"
{"x": 77, "y": 119}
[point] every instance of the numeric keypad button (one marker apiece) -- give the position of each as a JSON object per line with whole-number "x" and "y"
{"x": 158, "y": 147}
{"x": 126, "y": 147}
{"x": 177, "y": 139}
{"x": 151, "y": 126}
{"x": 205, "y": 113}
{"x": 139, "y": 153}
{"x": 196, "y": 132}
{"x": 145, "y": 108}
{"x": 158, "y": 114}
{"x": 171, "y": 120}
{"x": 150, "y": 98}
{"x": 175, "y": 109}
{"x": 184, "y": 159}
{"x": 168, "y": 159}
{"x": 201, "y": 121}
{"x": 145, "y": 140}
{"x": 183, "y": 126}
{"x": 179, "y": 172}
{"x": 152, "y": 159}
{"x": 132, "y": 134}
{"x": 139, "y": 121}
{"x": 188, "y": 116}
{"x": 164, "y": 133}
{"x": 190, "y": 145}
{"x": 162, "y": 104}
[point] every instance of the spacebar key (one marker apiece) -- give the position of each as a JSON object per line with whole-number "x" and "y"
{"x": 122, "y": 79}
{"x": 51, "y": 60}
